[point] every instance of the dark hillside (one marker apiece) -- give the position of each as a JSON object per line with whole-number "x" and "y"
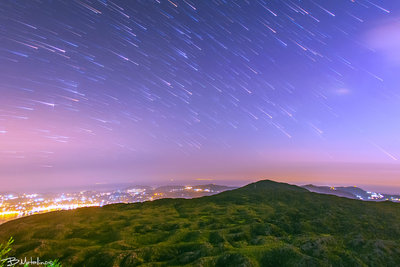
{"x": 262, "y": 224}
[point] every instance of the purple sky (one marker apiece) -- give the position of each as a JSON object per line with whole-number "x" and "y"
{"x": 154, "y": 91}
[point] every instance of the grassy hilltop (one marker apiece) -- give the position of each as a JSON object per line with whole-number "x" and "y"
{"x": 262, "y": 224}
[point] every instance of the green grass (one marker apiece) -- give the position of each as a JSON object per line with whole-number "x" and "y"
{"x": 4, "y": 250}
{"x": 262, "y": 224}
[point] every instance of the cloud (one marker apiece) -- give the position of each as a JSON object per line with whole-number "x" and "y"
{"x": 342, "y": 91}
{"x": 385, "y": 39}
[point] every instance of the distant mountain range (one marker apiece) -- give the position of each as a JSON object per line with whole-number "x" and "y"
{"x": 352, "y": 192}
{"x": 262, "y": 224}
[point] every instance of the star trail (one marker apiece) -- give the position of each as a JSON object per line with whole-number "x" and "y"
{"x": 139, "y": 91}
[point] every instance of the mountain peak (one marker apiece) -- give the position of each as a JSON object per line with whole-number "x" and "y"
{"x": 272, "y": 185}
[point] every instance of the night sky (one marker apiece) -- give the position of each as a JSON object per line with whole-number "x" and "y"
{"x": 199, "y": 91}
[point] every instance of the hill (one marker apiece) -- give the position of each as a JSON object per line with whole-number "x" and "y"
{"x": 352, "y": 192}
{"x": 329, "y": 190}
{"x": 262, "y": 224}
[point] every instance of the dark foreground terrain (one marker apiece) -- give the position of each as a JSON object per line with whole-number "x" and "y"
{"x": 262, "y": 224}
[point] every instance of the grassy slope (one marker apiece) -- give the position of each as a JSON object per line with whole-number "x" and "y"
{"x": 262, "y": 224}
